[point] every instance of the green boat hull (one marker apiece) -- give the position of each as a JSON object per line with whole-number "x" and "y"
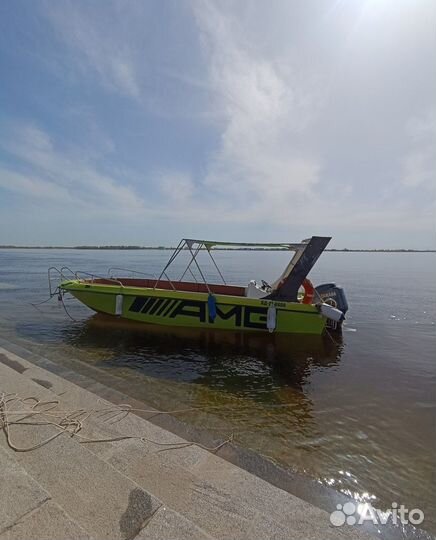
{"x": 191, "y": 309}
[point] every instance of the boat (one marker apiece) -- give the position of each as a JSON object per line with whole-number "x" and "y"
{"x": 290, "y": 305}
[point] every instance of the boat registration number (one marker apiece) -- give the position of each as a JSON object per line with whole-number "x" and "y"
{"x": 272, "y": 303}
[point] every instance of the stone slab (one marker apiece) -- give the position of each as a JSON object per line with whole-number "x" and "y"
{"x": 225, "y": 501}
{"x": 72, "y": 397}
{"x": 19, "y": 493}
{"x": 169, "y": 525}
{"x": 211, "y": 509}
{"x": 48, "y": 522}
{"x": 101, "y": 499}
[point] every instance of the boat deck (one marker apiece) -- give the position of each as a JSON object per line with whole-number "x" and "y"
{"x": 185, "y": 286}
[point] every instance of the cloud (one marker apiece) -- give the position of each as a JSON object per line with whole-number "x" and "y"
{"x": 276, "y": 145}
{"x": 419, "y": 165}
{"x": 252, "y": 116}
{"x": 258, "y": 166}
{"x": 54, "y": 172}
{"x": 177, "y": 187}
{"x": 419, "y": 168}
{"x": 98, "y": 43}
{"x": 31, "y": 186}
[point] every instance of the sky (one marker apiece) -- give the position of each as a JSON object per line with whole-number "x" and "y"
{"x": 141, "y": 122}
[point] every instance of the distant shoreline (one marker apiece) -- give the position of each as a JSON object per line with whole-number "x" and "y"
{"x": 168, "y": 248}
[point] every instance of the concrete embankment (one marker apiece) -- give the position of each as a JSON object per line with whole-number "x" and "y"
{"x": 139, "y": 480}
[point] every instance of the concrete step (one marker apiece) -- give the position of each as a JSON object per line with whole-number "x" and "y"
{"x": 28, "y": 494}
{"x": 169, "y": 525}
{"x": 26, "y": 379}
{"x": 48, "y": 522}
{"x": 98, "y": 426}
{"x": 102, "y": 500}
{"x": 216, "y": 496}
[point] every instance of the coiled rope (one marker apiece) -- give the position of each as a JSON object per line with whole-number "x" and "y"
{"x": 31, "y": 411}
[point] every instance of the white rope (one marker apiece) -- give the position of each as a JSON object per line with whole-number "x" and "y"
{"x": 72, "y": 422}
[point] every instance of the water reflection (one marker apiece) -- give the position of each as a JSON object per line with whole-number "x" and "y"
{"x": 226, "y": 360}
{"x": 253, "y": 385}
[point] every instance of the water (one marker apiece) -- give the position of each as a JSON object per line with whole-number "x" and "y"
{"x": 357, "y": 413}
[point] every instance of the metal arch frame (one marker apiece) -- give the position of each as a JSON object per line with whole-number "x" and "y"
{"x": 187, "y": 244}
{"x": 194, "y": 246}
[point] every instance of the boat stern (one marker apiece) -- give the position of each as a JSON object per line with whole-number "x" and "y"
{"x": 333, "y": 303}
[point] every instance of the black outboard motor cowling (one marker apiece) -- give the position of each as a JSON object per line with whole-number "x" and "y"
{"x": 332, "y": 293}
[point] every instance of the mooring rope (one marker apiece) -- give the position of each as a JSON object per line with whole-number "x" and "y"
{"x": 60, "y": 298}
{"x": 72, "y": 422}
{"x": 35, "y": 304}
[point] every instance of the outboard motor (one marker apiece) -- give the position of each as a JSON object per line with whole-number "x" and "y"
{"x": 333, "y": 295}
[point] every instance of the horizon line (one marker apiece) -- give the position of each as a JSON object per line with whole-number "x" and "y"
{"x": 136, "y": 247}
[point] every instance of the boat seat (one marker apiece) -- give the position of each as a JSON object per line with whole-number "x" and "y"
{"x": 253, "y": 290}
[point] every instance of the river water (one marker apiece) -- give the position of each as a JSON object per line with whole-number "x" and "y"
{"x": 356, "y": 412}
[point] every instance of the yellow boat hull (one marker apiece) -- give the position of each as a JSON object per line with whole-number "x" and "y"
{"x": 192, "y": 309}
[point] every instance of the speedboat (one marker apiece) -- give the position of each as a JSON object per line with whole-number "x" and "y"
{"x": 290, "y": 305}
